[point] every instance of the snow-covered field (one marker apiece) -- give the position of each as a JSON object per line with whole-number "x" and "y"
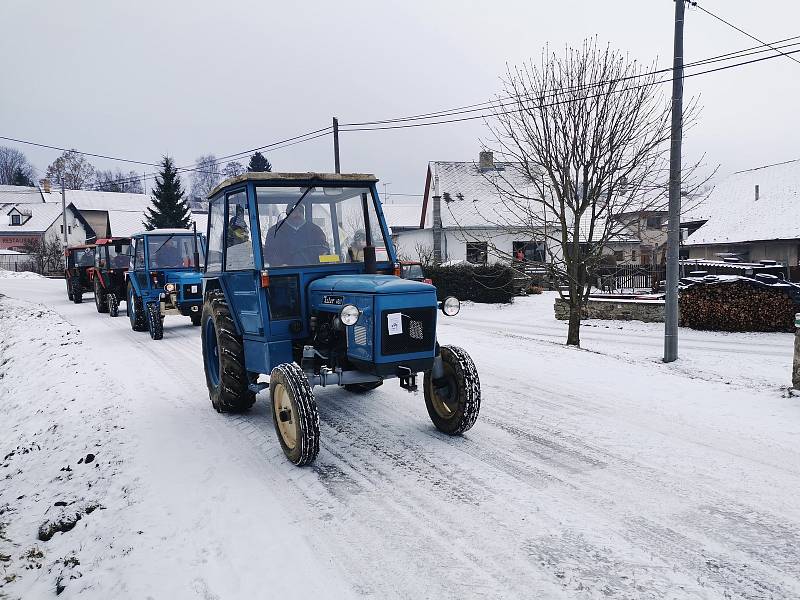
{"x": 595, "y": 473}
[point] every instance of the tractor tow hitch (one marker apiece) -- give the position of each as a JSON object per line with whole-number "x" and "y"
{"x": 408, "y": 379}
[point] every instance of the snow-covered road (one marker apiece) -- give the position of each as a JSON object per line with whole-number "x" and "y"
{"x": 590, "y": 474}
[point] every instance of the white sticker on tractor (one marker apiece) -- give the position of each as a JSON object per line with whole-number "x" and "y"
{"x": 395, "y": 323}
{"x": 194, "y": 289}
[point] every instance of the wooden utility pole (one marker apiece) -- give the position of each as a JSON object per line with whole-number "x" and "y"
{"x": 674, "y": 227}
{"x": 336, "y": 144}
{"x": 64, "y": 211}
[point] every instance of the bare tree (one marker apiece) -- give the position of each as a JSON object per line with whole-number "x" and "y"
{"x": 586, "y": 139}
{"x": 233, "y": 169}
{"x": 110, "y": 181}
{"x": 47, "y": 255}
{"x": 15, "y": 168}
{"x": 205, "y": 176}
{"x": 73, "y": 168}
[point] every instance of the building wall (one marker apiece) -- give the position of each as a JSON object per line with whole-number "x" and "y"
{"x": 76, "y": 233}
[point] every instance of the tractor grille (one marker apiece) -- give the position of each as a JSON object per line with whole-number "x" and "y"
{"x": 189, "y": 295}
{"x": 418, "y": 331}
{"x": 360, "y": 335}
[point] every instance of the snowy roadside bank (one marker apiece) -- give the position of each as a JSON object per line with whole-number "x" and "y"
{"x": 62, "y": 449}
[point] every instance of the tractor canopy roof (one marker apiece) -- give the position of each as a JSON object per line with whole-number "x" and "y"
{"x": 278, "y": 179}
{"x": 112, "y": 240}
{"x": 80, "y": 247}
{"x": 165, "y": 232}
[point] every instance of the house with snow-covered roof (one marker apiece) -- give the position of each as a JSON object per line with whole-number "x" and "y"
{"x": 752, "y": 215}
{"x": 464, "y": 218}
{"x": 22, "y": 224}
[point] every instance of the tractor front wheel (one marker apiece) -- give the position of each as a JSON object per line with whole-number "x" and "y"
{"x": 223, "y": 357}
{"x": 154, "y": 323}
{"x": 294, "y": 413}
{"x": 196, "y": 318}
{"x": 100, "y": 299}
{"x": 69, "y": 289}
{"x": 113, "y": 304}
{"x": 454, "y": 400}
{"x": 135, "y": 309}
{"x": 77, "y": 290}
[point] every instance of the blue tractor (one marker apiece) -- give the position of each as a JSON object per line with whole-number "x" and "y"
{"x": 164, "y": 278}
{"x": 302, "y": 284}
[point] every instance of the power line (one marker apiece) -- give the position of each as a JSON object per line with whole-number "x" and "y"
{"x": 482, "y": 106}
{"x": 528, "y": 107}
{"x": 742, "y": 31}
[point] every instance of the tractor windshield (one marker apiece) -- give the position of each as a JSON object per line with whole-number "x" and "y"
{"x": 118, "y": 255}
{"x": 172, "y": 251}
{"x": 84, "y": 257}
{"x": 317, "y": 225}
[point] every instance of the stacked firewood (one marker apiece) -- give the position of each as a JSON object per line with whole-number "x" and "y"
{"x": 738, "y": 304}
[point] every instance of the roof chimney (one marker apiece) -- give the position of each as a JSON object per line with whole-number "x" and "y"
{"x": 46, "y": 185}
{"x": 756, "y": 192}
{"x": 486, "y": 160}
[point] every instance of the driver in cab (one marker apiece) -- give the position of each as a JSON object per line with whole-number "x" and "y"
{"x": 294, "y": 240}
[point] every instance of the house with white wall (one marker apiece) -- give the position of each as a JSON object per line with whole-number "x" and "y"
{"x": 464, "y": 218}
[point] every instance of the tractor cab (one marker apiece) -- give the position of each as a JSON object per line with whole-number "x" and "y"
{"x": 111, "y": 262}
{"x": 302, "y": 284}
{"x": 78, "y": 265}
{"x": 164, "y": 278}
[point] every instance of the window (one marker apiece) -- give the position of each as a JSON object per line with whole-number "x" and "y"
{"x": 476, "y": 252}
{"x": 633, "y": 255}
{"x": 238, "y": 244}
{"x": 118, "y": 255}
{"x": 653, "y": 222}
{"x": 84, "y": 257}
{"x": 317, "y": 225}
{"x": 100, "y": 257}
{"x": 619, "y": 255}
{"x": 175, "y": 251}
{"x": 216, "y": 224}
{"x": 139, "y": 253}
{"x": 529, "y": 251}
{"x": 16, "y": 219}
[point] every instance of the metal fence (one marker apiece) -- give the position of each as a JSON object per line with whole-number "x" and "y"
{"x": 630, "y": 277}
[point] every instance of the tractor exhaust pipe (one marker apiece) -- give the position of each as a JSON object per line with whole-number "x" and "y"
{"x": 196, "y": 252}
{"x": 369, "y": 249}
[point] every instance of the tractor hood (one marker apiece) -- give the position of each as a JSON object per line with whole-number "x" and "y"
{"x": 183, "y": 276}
{"x": 368, "y": 284}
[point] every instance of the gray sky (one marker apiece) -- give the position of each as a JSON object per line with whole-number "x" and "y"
{"x": 141, "y": 79}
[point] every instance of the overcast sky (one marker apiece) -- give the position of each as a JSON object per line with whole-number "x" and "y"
{"x": 147, "y": 78}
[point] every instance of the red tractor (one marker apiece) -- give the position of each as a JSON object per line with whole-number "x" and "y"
{"x": 111, "y": 260}
{"x": 78, "y": 263}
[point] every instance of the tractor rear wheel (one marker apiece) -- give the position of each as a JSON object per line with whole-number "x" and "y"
{"x": 196, "y": 318}
{"x": 360, "y": 388}
{"x": 113, "y": 304}
{"x": 223, "y": 357}
{"x": 454, "y": 401}
{"x": 135, "y": 309}
{"x": 77, "y": 290}
{"x": 294, "y": 413}
{"x": 154, "y": 323}
{"x": 100, "y": 300}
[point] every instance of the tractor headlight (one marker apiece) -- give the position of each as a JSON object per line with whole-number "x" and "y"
{"x": 349, "y": 314}
{"x": 170, "y": 287}
{"x": 450, "y": 306}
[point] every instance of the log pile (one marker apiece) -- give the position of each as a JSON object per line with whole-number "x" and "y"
{"x": 738, "y": 304}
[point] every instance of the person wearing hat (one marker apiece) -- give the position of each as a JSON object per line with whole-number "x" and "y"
{"x": 238, "y": 232}
{"x": 294, "y": 240}
{"x": 355, "y": 253}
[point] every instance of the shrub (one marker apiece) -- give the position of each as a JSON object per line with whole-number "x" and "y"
{"x": 491, "y": 284}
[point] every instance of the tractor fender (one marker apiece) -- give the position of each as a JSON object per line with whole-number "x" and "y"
{"x": 215, "y": 283}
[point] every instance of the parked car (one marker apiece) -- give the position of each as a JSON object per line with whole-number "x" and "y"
{"x": 413, "y": 271}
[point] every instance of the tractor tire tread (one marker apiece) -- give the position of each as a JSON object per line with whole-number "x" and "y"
{"x": 292, "y": 377}
{"x": 468, "y": 388}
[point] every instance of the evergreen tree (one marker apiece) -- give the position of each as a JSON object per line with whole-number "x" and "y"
{"x": 169, "y": 208}
{"x": 258, "y": 162}
{"x": 21, "y": 178}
